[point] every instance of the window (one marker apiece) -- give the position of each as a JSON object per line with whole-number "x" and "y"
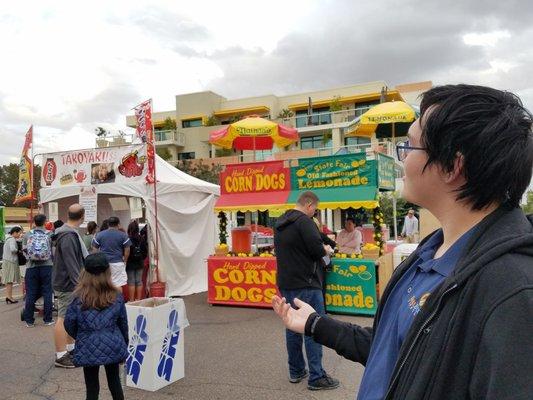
{"x": 191, "y": 123}
{"x": 320, "y": 116}
{"x": 361, "y": 108}
{"x": 357, "y": 144}
{"x": 314, "y": 142}
{"x": 186, "y": 156}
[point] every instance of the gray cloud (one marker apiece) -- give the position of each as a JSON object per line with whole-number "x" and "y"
{"x": 346, "y": 42}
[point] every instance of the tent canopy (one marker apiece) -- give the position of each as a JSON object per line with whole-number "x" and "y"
{"x": 186, "y": 222}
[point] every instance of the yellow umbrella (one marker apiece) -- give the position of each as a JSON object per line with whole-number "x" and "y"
{"x": 384, "y": 119}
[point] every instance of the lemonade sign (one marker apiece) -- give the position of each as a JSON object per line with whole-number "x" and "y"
{"x": 351, "y": 287}
{"x": 343, "y": 171}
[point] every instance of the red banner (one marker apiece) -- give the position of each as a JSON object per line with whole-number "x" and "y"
{"x": 269, "y": 176}
{"x": 25, "y": 186}
{"x": 249, "y": 281}
{"x": 143, "y": 114}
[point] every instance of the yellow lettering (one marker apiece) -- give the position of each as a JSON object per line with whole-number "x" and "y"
{"x": 254, "y": 295}
{"x": 217, "y": 275}
{"x": 236, "y": 276}
{"x": 222, "y": 293}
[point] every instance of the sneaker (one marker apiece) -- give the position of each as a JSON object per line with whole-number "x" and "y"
{"x": 65, "y": 362}
{"x": 299, "y": 378}
{"x": 324, "y": 383}
{"x": 49, "y": 323}
{"x": 30, "y": 325}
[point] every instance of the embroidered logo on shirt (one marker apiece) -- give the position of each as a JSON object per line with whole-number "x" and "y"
{"x": 416, "y": 305}
{"x": 423, "y": 299}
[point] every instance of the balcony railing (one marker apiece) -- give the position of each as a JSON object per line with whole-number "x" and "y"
{"x": 323, "y": 118}
{"x": 170, "y": 137}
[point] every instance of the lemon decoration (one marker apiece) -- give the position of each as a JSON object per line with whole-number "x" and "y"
{"x": 354, "y": 269}
{"x": 365, "y": 275}
{"x": 300, "y": 172}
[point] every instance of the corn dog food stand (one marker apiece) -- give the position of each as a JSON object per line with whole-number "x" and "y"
{"x": 341, "y": 181}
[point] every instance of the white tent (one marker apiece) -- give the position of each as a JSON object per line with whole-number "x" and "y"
{"x": 186, "y": 221}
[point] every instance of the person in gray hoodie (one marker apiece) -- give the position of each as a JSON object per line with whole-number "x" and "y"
{"x": 69, "y": 255}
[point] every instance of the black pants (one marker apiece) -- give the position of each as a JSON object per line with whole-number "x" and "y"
{"x": 92, "y": 383}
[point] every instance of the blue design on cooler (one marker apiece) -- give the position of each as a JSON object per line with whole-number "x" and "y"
{"x": 168, "y": 352}
{"x": 136, "y": 349}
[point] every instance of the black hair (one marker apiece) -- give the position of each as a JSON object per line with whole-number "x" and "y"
{"x": 491, "y": 129}
{"x": 350, "y": 219}
{"x": 105, "y": 225}
{"x": 58, "y": 224}
{"x": 39, "y": 220}
{"x": 113, "y": 222}
{"x": 76, "y": 215}
{"x": 91, "y": 227}
{"x": 133, "y": 229}
{"x": 15, "y": 229}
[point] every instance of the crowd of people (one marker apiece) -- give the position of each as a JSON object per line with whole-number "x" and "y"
{"x": 85, "y": 276}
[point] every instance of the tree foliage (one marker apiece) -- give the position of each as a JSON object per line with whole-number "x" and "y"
{"x": 528, "y": 207}
{"x": 198, "y": 169}
{"x": 9, "y": 178}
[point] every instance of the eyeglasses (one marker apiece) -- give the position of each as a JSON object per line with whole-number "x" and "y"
{"x": 403, "y": 149}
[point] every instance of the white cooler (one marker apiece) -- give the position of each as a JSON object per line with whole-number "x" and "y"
{"x": 401, "y": 252}
{"x": 156, "y": 349}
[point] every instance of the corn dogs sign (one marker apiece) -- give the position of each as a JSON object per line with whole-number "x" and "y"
{"x": 255, "y": 178}
{"x": 247, "y": 281}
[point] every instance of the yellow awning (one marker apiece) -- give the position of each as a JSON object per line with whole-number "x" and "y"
{"x": 391, "y": 95}
{"x": 238, "y": 111}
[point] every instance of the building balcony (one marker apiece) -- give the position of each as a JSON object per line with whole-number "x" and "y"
{"x": 169, "y": 137}
{"x": 323, "y": 120}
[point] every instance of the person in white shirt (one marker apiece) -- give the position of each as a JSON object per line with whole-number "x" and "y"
{"x": 349, "y": 239}
{"x": 410, "y": 227}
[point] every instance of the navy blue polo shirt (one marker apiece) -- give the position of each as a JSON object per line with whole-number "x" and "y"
{"x": 403, "y": 304}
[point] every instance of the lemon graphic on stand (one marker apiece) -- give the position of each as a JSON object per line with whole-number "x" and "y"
{"x": 300, "y": 172}
{"x": 365, "y": 275}
{"x": 354, "y": 269}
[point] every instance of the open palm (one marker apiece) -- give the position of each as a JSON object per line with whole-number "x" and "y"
{"x": 294, "y": 319}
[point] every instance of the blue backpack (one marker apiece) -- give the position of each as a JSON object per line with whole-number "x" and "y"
{"x": 38, "y": 246}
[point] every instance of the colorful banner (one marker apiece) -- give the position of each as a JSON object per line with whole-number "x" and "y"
{"x": 351, "y": 287}
{"x": 143, "y": 114}
{"x": 386, "y": 172}
{"x": 343, "y": 171}
{"x": 89, "y": 200}
{"x": 241, "y": 281}
{"x": 95, "y": 166}
{"x": 253, "y": 178}
{"x": 25, "y": 186}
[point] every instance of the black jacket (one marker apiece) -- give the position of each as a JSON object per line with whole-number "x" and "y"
{"x": 473, "y": 339}
{"x": 299, "y": 250}
{"x": 68, "y": 259}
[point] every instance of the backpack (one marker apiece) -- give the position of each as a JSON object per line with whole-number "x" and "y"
{"x": 38, "y": 246}
{"x": 136, "y": 251}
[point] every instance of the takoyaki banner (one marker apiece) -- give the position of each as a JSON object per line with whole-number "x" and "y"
{"x": 95, "y": 166}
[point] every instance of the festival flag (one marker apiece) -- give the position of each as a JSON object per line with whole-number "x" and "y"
{"x": 25, "y": 187}
{"x": 143, "y": 114}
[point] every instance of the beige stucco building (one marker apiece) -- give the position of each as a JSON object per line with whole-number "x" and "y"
{"x": 321, "y": 133}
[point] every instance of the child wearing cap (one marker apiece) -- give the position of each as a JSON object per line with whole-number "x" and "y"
{"x": 97, "y": 319}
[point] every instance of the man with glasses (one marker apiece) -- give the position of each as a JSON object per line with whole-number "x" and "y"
{"x": 456, "y": 319}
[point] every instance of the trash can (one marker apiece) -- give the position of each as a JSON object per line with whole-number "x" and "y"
{"x": 156, "y": 345}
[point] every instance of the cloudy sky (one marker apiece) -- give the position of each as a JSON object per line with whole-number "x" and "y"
{"x": 68, "y": 66}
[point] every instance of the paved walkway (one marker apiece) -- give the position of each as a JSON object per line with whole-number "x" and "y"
{"x": 230, "y": 353}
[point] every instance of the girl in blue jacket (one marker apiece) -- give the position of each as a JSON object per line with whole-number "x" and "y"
{"x": 97, "y": 319}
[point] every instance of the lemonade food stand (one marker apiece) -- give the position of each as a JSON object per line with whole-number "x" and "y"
{"x": 342, "y": 181}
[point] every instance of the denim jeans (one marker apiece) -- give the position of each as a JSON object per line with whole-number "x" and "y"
{"x": 38, "y": 281}
{"x": 294, "y": 340}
